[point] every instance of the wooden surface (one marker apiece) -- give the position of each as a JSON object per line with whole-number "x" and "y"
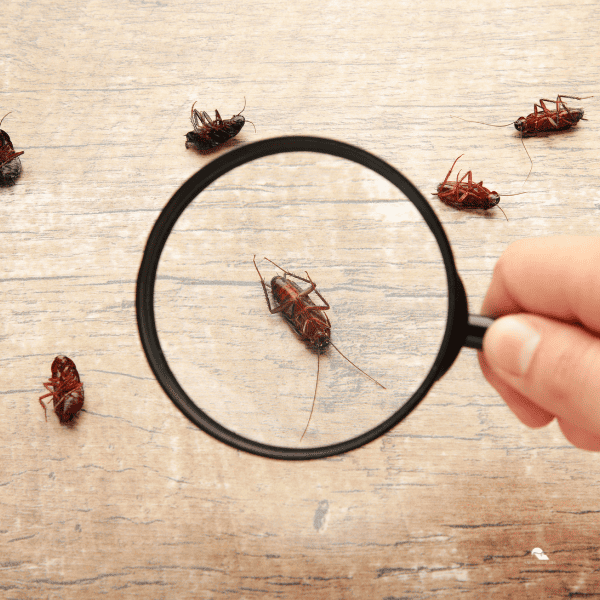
{"x": 134, "y": 501}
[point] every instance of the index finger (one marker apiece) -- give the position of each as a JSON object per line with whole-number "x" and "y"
{"x": 557, "y": 277}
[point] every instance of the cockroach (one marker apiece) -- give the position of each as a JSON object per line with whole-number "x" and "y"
{"x": 460, "y": 194}
{"x": 309, "y": 321}
{"x": 546, "y": 120}
{"x": 208, "y": 134}
{"x": 550, "y": 120}
{"x": 65, "y": 388}
{"x": 10, "y": 164}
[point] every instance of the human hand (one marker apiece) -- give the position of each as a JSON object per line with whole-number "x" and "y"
{"x": 544, "y": 359}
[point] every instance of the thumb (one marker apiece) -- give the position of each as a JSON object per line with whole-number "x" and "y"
{"x": 552, "y": 364}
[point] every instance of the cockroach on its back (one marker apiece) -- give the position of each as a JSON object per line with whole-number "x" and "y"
{"x": 10, "y": 164}
{"x": 65, "y": 388}
{"x": 550, "y": 120}
{"x": 461, "y": 195}
{"x": 209, "y": 134}
{"x": 307, "y": 319}
{"x": 545, "y": 121}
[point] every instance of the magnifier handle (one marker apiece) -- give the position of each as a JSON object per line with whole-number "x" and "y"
{"x": 476, "y": 328}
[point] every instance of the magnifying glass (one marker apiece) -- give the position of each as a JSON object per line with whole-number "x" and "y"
{"x": 333, "y": 219}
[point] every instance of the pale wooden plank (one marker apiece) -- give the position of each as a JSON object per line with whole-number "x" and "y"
{"x": 134, "y": 501}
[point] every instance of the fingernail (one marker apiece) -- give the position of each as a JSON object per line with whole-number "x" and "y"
{"x": 509, "y": 345}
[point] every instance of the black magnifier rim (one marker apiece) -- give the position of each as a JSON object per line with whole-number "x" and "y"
{"x": 160, "y": 233}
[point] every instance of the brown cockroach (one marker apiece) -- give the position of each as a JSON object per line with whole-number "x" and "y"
{"x": 308, "y": 320}
{"x": 550, "y": 120}
{"x": 460, "y": 194}
{"x": 10, "y": 165}
{"x": 65, "y": 388}
{"x": 209, "y": 134}
{"x": 545, "y": 120}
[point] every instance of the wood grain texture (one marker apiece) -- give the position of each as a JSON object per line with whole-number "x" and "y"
{"x": 134, "y": 501}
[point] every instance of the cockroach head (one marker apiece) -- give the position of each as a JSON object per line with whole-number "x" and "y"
{"x": 239, "y": 120}
{"x": 322, "y": 343}
{"x": 520, "y": 123}
{"x": 576, "y": 114}
{"x": 493, "y": 199}
{"x": 191, "y": 140}
{"x": 4, "y": 138}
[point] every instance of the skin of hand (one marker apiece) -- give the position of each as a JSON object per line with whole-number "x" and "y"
{"x": 542, "y": 354}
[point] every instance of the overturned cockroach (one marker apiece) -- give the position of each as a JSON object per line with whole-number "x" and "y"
{"x": 308, "y": 320}
{"x": 208, "y": 134}
{"x": 463, "y": 195}
{"x": 550, "y": 120}
{"x": 544, "y": 121}
{"x": 65, "y": 388}
{"x": 10, "y": 164}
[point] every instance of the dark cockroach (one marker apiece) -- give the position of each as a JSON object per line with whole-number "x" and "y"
{"x": 65, "y": 388}
{"x": 10, "y": 164}
{"x": 544, "y": 120}
{"x": 461, "y": 194}
{"x": 308, "y": 320}
{"x": 208, "y": 134}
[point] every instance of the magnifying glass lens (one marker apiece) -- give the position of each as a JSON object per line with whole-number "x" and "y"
{"x": 372, "y": 258}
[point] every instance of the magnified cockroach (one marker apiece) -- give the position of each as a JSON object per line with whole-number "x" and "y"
{"x": 308, "y": 320}
{"x": 10, "y": 164}
{"x": 65, "y": 388}
{"x": 463, "y": 195}
{"x": 544, "y": 120}
{"x": 209, "y": 134}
